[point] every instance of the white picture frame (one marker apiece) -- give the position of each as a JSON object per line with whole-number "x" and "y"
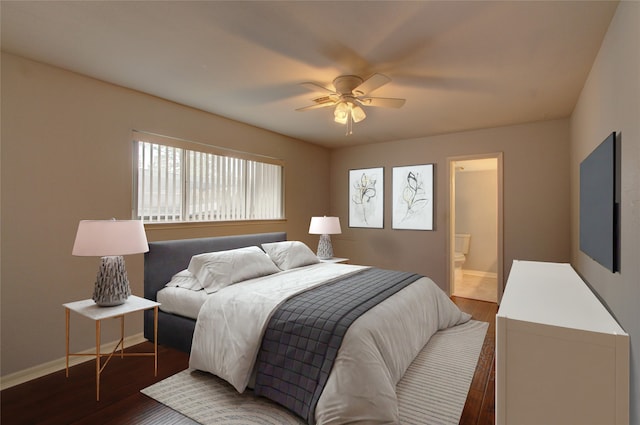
{"x": 366, "y": 197}
{"x": 413, "y": 197}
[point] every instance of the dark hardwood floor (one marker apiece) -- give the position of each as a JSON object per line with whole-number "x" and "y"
{"x": 480, "y": 406}
{"x": 55, "y": 399}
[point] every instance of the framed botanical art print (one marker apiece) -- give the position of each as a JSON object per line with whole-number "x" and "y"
{"x": 366, "y": 198}
{"x": 413, "y": 201}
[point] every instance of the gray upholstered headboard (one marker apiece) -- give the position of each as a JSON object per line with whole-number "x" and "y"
{"x": 166, "y": 258}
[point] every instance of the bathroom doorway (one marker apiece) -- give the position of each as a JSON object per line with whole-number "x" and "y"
{"x": 475, "y": 230}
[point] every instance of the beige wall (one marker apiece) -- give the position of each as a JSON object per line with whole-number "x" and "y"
{"x": 66, "y": 156}
{"x": 610, "y": 101}
{"x": 536, "y": 197}
{"x": 476, "y": 212}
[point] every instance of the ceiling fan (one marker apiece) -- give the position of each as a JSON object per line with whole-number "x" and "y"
{"x": 350, "y": 94}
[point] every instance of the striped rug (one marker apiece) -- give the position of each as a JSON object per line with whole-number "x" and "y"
{"x": 433, "y": 390}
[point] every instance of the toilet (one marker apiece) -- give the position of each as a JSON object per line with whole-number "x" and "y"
{"x": 461, "y": 250}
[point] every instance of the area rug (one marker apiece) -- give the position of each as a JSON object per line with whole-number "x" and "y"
{"x": 433, "y": 390}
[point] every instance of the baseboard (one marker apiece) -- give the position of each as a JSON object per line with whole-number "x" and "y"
{"x": 43, "y": 369}
{"x": 480, "y": 273}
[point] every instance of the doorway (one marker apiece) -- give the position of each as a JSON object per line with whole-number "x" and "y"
{"x": 475, "y": 228}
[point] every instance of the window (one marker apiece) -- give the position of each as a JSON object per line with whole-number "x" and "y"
{"x": 179, "y": 181}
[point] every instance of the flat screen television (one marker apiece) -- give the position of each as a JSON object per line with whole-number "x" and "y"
{"x": 600, "y": 204}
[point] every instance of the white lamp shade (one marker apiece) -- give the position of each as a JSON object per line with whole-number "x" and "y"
{"x": 325, "y": 226}
{"x": 99, "y": 238}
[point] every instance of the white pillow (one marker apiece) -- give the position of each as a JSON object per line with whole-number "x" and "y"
{"x": 290, "y": 254}
{"x": 185, "y": 279}
{"x": 216, "y": 270}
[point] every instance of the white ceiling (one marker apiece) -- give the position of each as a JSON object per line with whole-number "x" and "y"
{"x": 460, "y": 65}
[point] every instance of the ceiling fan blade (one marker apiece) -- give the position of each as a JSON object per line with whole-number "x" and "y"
{"x": 370, "y": 84}
{"x": 315, "y": 87}
{"x": 316, "y": 106}
{"x": 384, "y": 102}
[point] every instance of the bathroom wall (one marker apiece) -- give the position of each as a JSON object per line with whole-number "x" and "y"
{"x": 476, "y": 214}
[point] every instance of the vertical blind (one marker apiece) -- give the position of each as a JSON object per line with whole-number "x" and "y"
{"x": 176, "y": 182}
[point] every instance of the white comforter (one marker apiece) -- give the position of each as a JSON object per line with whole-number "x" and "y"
{"x": 375, "y": 352}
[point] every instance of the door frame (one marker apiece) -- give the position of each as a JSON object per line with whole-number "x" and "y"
{"x": 451, "y": 231}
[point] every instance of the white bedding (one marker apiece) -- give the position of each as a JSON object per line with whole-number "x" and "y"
{"x": 375, "y": 353}
{"x": 181, "y": 301}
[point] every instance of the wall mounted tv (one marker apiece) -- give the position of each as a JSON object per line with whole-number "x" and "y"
{"x": 600, "y": 204}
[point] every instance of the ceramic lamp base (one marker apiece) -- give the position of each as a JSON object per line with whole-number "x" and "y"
{"x": 112, "y": 286}
{"x": 325, "y": 250}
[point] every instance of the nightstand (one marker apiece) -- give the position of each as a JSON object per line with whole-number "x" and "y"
{"x": 90, "y": 310}
{"x": 335, "y": 260}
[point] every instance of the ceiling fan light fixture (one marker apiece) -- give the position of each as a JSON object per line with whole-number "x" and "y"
{"x": 358, "y": 113}
{"x": 350, "y": 95}
{"x": 341, "y": 113}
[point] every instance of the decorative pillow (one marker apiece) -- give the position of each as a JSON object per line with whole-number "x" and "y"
{"x": 290, "y": 254}
{"x": 185, "y": 279}
{"x": 216, "y": 270}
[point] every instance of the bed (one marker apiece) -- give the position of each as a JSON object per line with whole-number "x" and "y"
{"x": 246, "y": 330}
{"x": 166, "y": 258}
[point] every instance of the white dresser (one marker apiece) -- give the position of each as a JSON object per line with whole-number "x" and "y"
{"x": 561, "y": 358}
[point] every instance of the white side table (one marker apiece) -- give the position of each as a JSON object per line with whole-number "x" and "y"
{"x": 334, "y": 260}
{"x": 90, "y": 310}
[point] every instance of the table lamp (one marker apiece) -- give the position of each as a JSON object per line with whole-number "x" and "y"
{"x": 325, "y": 226}
{"x": 110, "y": 239}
